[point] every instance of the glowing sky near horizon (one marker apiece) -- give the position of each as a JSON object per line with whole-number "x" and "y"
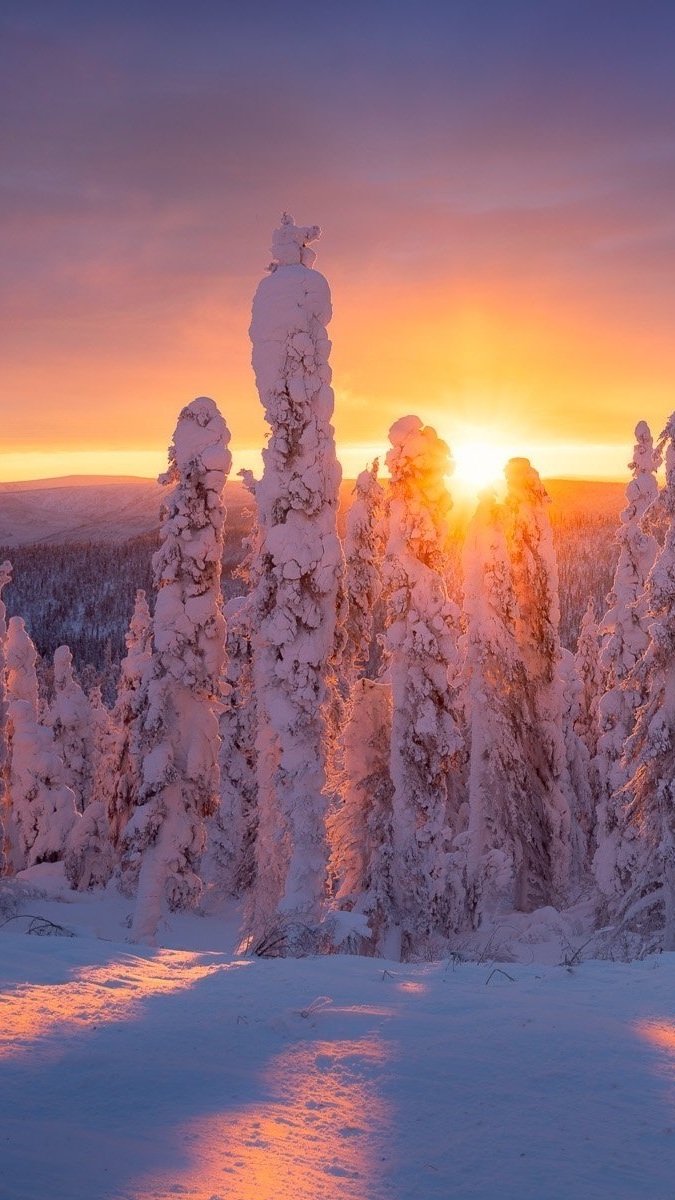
{"x": 494, "y": 183}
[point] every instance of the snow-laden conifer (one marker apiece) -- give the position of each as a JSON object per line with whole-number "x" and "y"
{"x": 230, "y": 857}
{"x": 69, "y": 718}
{"x": 580, "y": 771}
{"x": 535, "y": 581}
{"x": 624, "y": 640}
{"x": 90, "y": 856}
{"x": 128, "y": 718}
{"x": 643, "y": 896}
{"x": 360, "y": 827}
{"x": 42, "y": 805}
{"x": 21, "y": 684}
{"x": 427, "y": 746}
{"x": 163, "y": 840}
{"x": 5, "y": 577}
{"x": 511, "y": 832}
{"x": 21, "y": 661}
{"x": 363, "y": 546}
{"x": 298, "y": 584}
{"x": 591, "y": 677}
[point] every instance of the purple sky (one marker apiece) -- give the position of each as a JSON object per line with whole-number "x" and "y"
{"x": 494, "y": 180}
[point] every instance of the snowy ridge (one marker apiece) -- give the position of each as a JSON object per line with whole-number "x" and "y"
{"x": 58, "y": 512}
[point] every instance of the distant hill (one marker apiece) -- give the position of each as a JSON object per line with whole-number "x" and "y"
{"x": 68, "y": 481}
{"x": 112, "y": 508}
{"x": 586, "y": 497}
{"x": 86, "y": 509}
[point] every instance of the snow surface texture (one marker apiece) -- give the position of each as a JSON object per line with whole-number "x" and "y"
{"x": 298, "y": 581}
{"x": 147, "y": 1074}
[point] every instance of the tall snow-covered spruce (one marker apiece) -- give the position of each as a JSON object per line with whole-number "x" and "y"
{"x": 535, "y": 582}
{"x": 643, "y": 898}
{"x": 360, "y": 826}
{"x": 163, "y": 841}
{"x": 5, "y": 576}
{"x": 42, "y": 809}
{"x": 363, "y": 579}
{"x": 230, "y": 858}
{"x": 128, "y": 718}
{"x": 427, "y": 746}
{"x": 69, "y": 718}
{"x": 298, "y": 586}
{"x": 624, "y": 639}
{"x": 509, "y": 836}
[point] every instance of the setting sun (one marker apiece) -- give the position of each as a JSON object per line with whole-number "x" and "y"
{"x": 479, "y": 462}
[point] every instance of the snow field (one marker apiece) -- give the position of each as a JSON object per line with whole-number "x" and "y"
{"x": 147, "y": 1074}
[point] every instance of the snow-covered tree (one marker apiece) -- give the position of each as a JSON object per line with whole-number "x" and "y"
{"x": 624, "y": 640}
{"x": 21, "y": 661}
{"x": 90, "y": 855}
{"x": 643, "y": 896}
{"x": 579, "y": 767}
{"x": 511, "y": 831}
{"x": 21, "y": 684}
{"x": 427, "y": 746}
{"x": 591, "y": 677}
{"x": 230, "y": 856}
{"x": 69, "y": 718}
{"x": 163, "y": 841}
{"x": 363, "y": 546}
{"x": 360, "y": 827}
{"x": 128, "y": 716}
{"x": 42, "y": 805}
{"x": 535, "y": 582}
{"x": 298, "y": 585}
{"x": 5, "y": 577}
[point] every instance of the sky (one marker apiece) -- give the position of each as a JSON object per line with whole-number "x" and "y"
{"x": 494, "y": 182}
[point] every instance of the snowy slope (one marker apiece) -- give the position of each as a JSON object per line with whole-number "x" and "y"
{"x": 136, "y": 1074}
{"x": 101, "y": 511}
{"x": 73, "y": 509}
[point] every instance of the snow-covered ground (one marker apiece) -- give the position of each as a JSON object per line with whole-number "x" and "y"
{"x": 185, "y": 1071}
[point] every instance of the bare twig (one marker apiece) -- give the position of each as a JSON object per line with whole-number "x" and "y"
{"x": 40, "y": 926}
{"x": 498, "y": 971}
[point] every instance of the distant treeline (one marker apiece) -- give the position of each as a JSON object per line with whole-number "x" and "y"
{"x": 82, "y": 594}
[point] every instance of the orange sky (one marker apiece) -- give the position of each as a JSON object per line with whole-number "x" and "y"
{"x": 496, "y": 203}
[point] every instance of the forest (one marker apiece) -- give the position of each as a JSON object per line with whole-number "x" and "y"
{"x": 374, "y": 720}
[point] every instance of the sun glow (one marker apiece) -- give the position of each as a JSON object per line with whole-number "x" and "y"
{"x": 479, "y": 463}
